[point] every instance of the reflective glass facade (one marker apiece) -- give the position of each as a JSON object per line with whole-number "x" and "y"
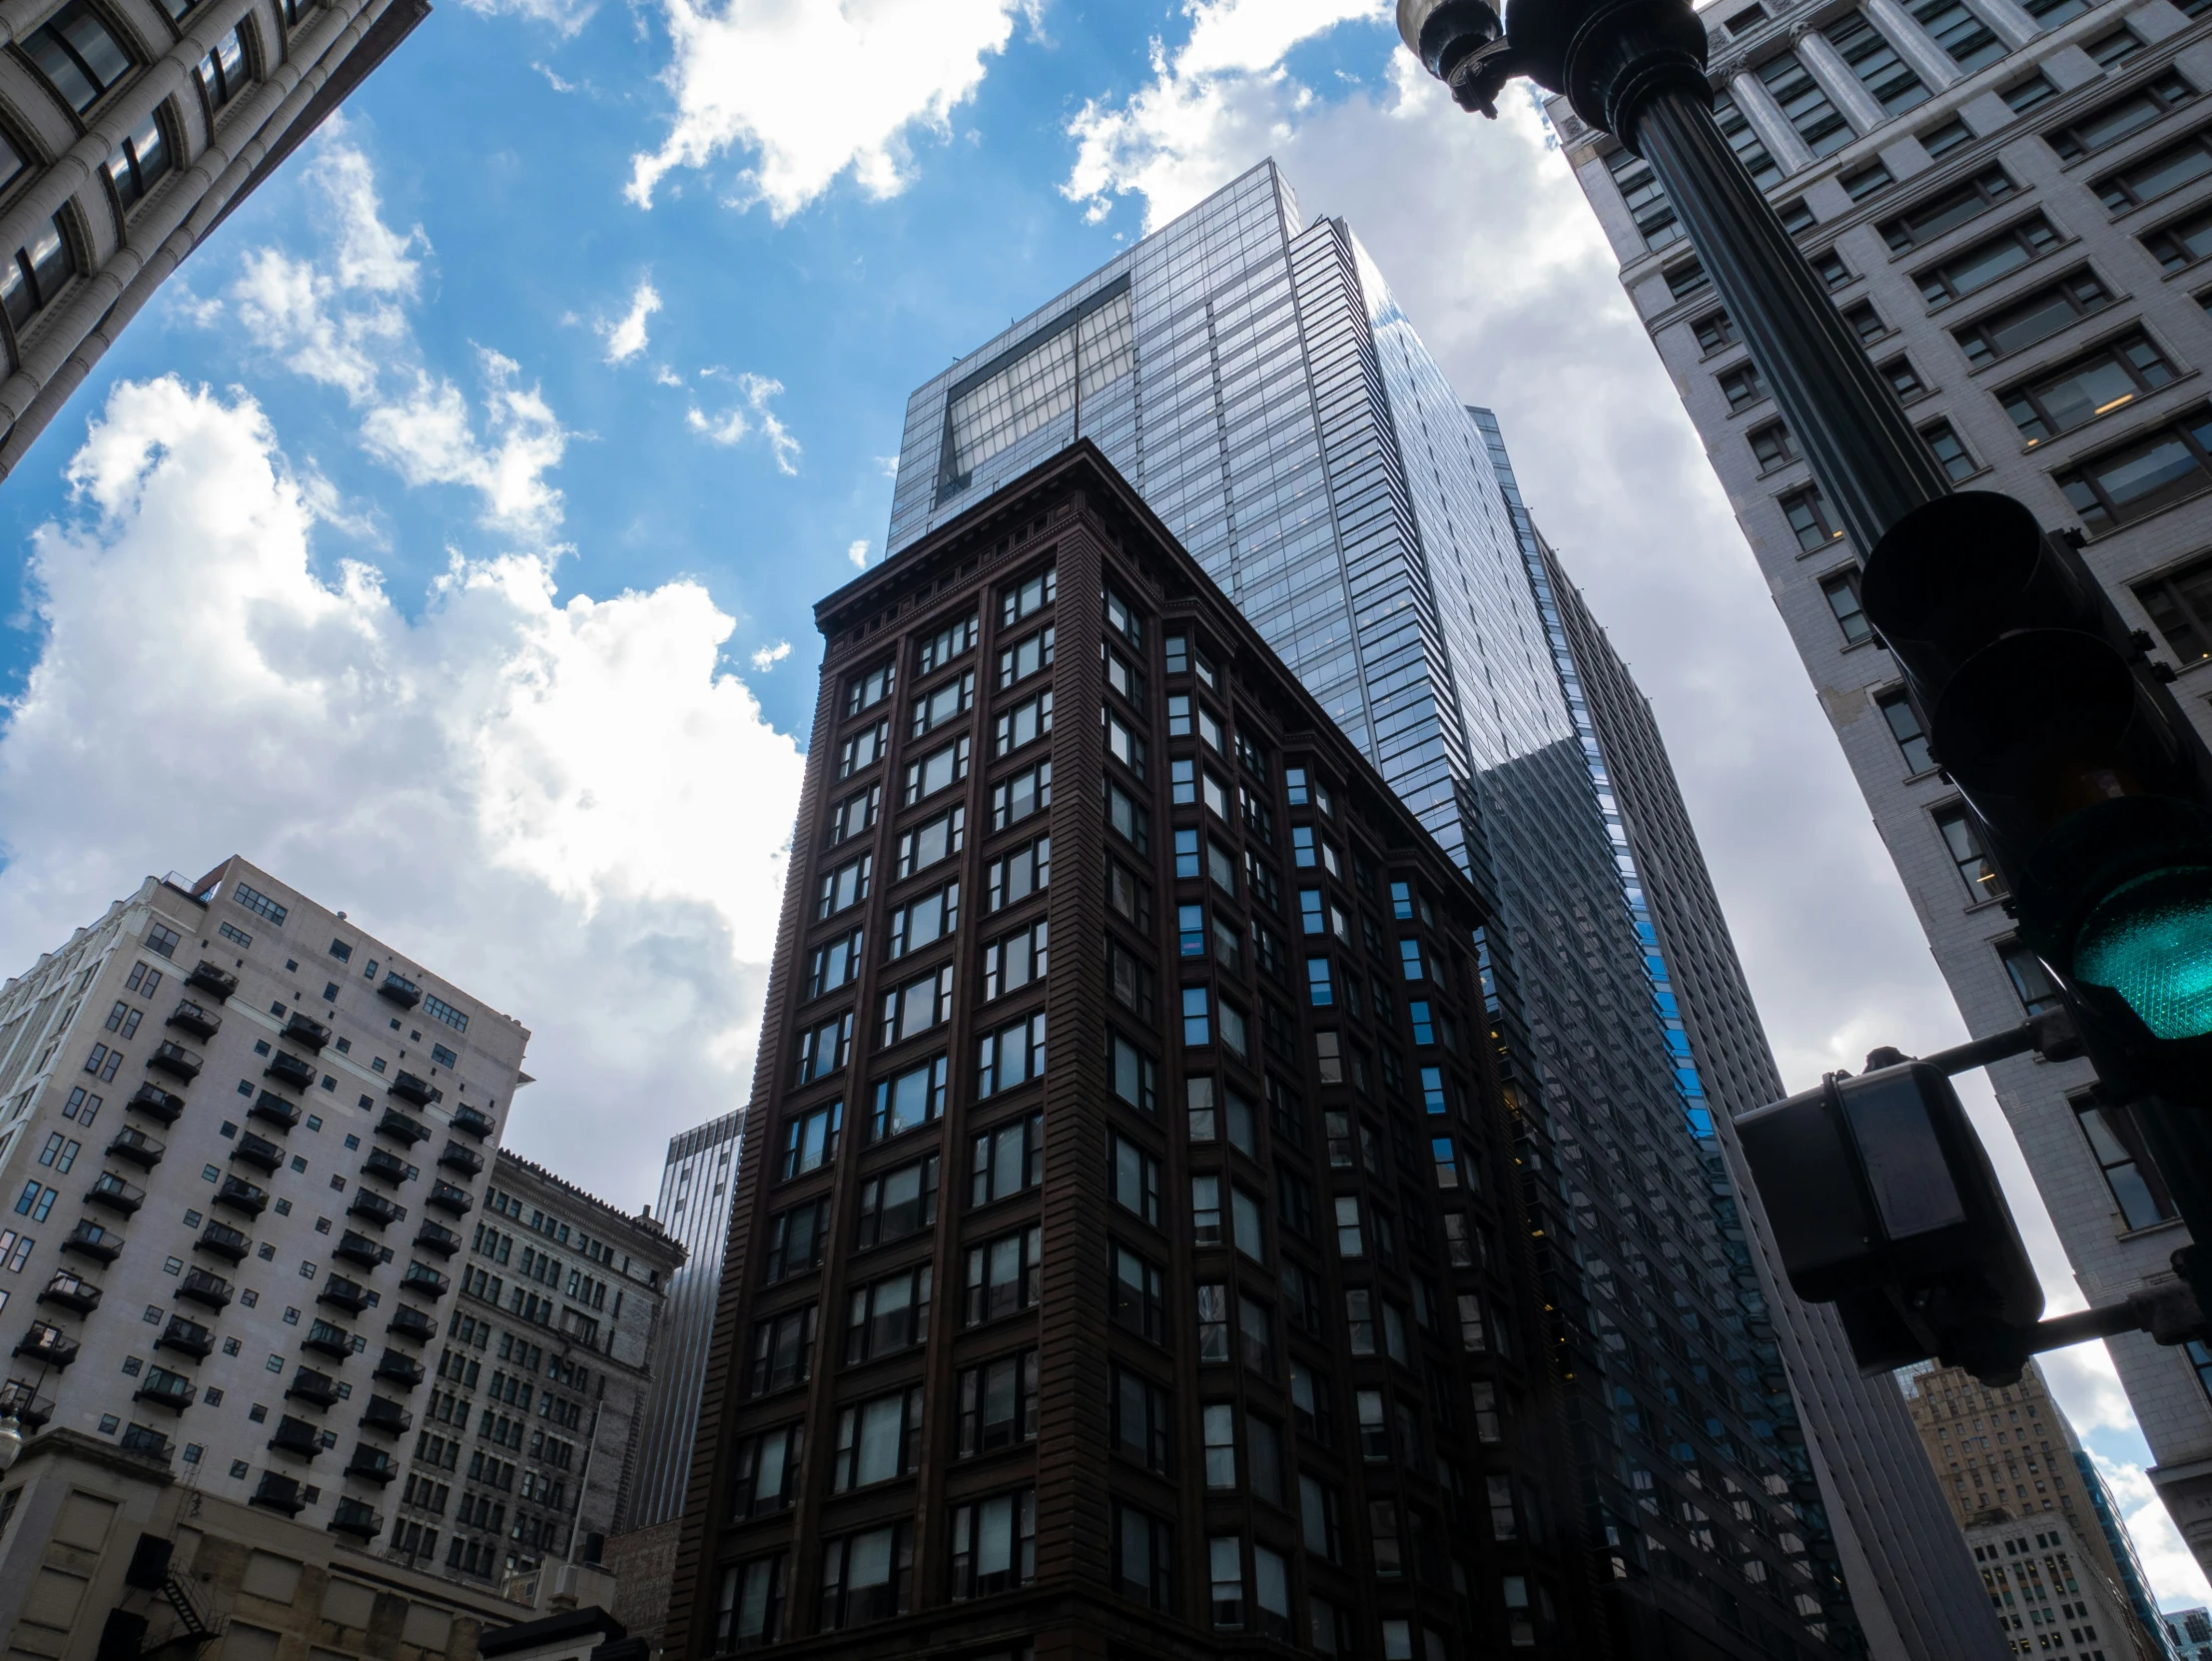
{"x": 1283, "y": 419}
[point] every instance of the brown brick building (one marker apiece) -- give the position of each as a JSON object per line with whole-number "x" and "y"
{"x": 1171, "y": 1297}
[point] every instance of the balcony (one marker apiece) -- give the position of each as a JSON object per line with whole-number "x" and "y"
{"x": 399, "y": 990}
{"x": 307, "y": 1032}
{"x": 89, "y": 1240}
{"x": 174, "y": 1059}
{"x": 342, "y": 1294}
{"x": 289, "y": 1069}
{"x": 242, "y": 1196}
{"x": 257, "y": 1152}
{"x": 70, "y": 1290}
{"x": 317, "y": 1389}
{"x": 357, "y": 1249}
{"x": 386, "y": 1165}
{"x": 373, "y": 1209}
{"x": 401, "y": 1369}
{"x": 297, "y": 1437}
{"x": 164, "y": 1388}
{"x": 224, "y": 1241}
{"x": 156, "y": 1102}
{"x": 114, "y": 1193}
{"x": 209, "y": 978}
{"x": 470, "y": 1120}
{"x": 145, "y": 1441}
{"x": 278, "y": 1494}
{"x": 448, "y": 1198}
{"x": 356, "y": 1517}
{"x": 208, "y": 1290}
{"x": 194, "y": 1019}
{"x": 272, "y": 1109}
{"x": 370, "y": 1464}
{"x": 387, "y": 1416}
{"x": 435, "y": 1236}
{"x": 328, "y": 1339}
{"x": 410, "y": 1088}
{"x": 456, "y": 1158}
{"x": 188, "y": 1337}
{"x": 410, "y": 1322}
{"x": 135, "y": 1145}
{"x": 424, "y": 1281}
{"x": 403, "y": 1127}
{"x": 48, "y": 1345}
{"x": 21, "y": 1403}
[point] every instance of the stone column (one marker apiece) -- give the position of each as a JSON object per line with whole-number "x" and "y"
{"x": 1914, "y": 45}
{"x": 2011, "y": 21}
{"x": 1767, "y": 119}
{"x": 1838, "y": 81}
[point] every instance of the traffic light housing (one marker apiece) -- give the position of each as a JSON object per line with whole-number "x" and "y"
{"x": 2091, "y": 791}
{"x": 1884, "y": 1203}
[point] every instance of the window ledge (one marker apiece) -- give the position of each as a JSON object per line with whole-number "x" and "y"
{"x": 2133, "y": 407}
{"x": 2177, "y": 202}
{"x": 2145, "y": 1232}
{"x": 2065, "y": 244}
{"x": 2120, "y": 297}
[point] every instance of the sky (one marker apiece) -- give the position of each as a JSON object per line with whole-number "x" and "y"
{"x": 444, "y": 535}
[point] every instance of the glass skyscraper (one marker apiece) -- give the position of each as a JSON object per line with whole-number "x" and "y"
{"x": 1253, "y": 379}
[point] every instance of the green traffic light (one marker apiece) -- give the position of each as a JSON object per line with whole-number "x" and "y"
{"x": 2150, "y": 941}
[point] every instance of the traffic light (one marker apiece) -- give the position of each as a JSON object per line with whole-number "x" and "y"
{"x": 2092, "y": 792}
{"x": 1884, "y": 1203}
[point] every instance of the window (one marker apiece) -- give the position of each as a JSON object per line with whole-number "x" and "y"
{"x": 1002, "y": 1276}
{"x": 1877, "y": 64}
{"x": 1807, "y": 517}
{"x": 1987, "y": 261}
{"x": 1137, "y": 1301}
{"x": 751, "y": 1610}
{"x": 909, "y": 1099}
{"x": 1687, "y": 278}
{"x": 862, "y": 750}
{"x": 1017, "y": 874}
{"x": 139, "y": 163}
{"x": 948, "y": 702}
{"x": 919, "y": 922}
{"x": 783, "y": 1350}
{"x": 77, "y": 55}
{"x": 2028, "y": 93}
{"x": 867, "y": 1577}
{"x": 439, "y": 1009}
{"x": 1121, "y": 741}
{"x": 1025, "y": 658}
{"x": 1319, "y": 992}
{"x": 888, "y": 1315}
{"x": 824, "y": 1050}
{"x": 1900, "y": 374}
{"x": 877, "y": 1440}
{"x": 1130, "y": 978}
{"x": 2030, "y": 979}
{"x": 1829, "y": 268}
{"x": 2140, "y": 477}
{"x": 2051, "y": 13}
{"x": 865, "y": 691}
{"x": 1206, "y": 1210}
{"x": 1963, "y": 36}
{"x": 941, "y": 769}
{"x": 995, "y": 1544}
{"x": 1744, "y": 141}
{"x": 1143, "y": 1558}
{"x": 795, "y": 1238}
{"x": 1742, "y": 387}
{"x": 944, "y": 645}
{"x": 1320, "y": 1518}
{"x": 1943, "y": 440}
{"x": 1925, "y": 221}
{"x": 1130, "y": 1072}
{"x": 1032, "y": 594}
{"x": 1025, "y": 723}
{"x": 2159, "y": 173}
{"x": 1841, "y": 592}
{"x": 2180, "y": 606}
{"x": 1905, "y": 726}
{"x": 917, "y": 1006}
{"x": 2038, "y": 315}
{"x": 853, "y": 814}
{"x": 1645, "y": 199}
{"x": 768, "y": 1471}
{"x": 1140, "y": 1419}
{"x": 2182, "y": 243}
{"x": 1130, "y": 822}
{"x": 2095, "y": 384}
{"x": 1011, "y": 1056}
{"x": 1805, "y": 105}
{"x": 1136, "y": 1177}
{"x": 1247, "y": 1224}
{"x": 32, "y": 278}
{"x": 1862, "y": 181}
{"x": 223, "y": 73}
{"x": 997, "y": 1405}
{"x": 2114, "y": 47}
{"x": 1941, "y": 139}
{"x": 1351, "y": 1241}
{"x": 1964, "y": 843}
{"x": 899, "y": 1203}
{"x": 844, "y": 887}
{"x": 1797, "y": 216}
{"x": 1714, "y": 332}
{"x": 1122, "y": 676}
{"x": 2107, "y": 124}
{"x": 810, "y": 1140}
{"x": 1770, "y": 447}
{"x": 2117, "y": 1144}
{"x": 932, "y": 840}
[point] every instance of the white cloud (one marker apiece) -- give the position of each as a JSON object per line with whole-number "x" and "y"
{"x": 339, "y": 318}
{"x": 559, "y": 803}
{"x": 563, "y": 16}
{"x": 748, "y": 417}
{"x": 858, "y": 554}
{"x": 769, "y": 656}
{"x": 810, "y": 91}
{"x": 626, "y": 338}
{"x": 2174, "y": 1574}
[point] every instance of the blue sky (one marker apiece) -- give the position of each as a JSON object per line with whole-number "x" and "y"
{"x": 437, "y": 537}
